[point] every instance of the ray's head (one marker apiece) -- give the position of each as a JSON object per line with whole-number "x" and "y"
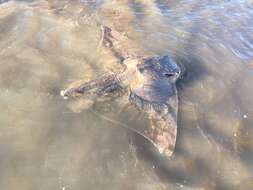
{"x": 160, "y": 68}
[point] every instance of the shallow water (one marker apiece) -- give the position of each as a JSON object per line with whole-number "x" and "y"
{"x": 50, "y": 143}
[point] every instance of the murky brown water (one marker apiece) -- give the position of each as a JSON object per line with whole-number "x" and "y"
{"x": 49, "y": 143}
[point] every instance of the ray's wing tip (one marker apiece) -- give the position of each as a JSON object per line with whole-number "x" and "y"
{"x": 63, "y": 93}
{"x": 165, "y": 151}
{"x": 168, "y": 153}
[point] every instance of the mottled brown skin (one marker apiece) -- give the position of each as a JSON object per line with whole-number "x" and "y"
{"x": 156, "y": 94}
{"x": 151, "y": 86}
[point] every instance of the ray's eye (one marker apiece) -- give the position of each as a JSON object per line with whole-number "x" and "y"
{"x": 141, "y": 70}
{"x": 169, "y": 75}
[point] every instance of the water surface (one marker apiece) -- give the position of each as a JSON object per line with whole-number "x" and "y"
{"x": 49, "y": 143}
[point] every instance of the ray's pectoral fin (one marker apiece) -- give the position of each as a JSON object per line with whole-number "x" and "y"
{"x": 95, "y": 88}
{"x": 162, "y": 131}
